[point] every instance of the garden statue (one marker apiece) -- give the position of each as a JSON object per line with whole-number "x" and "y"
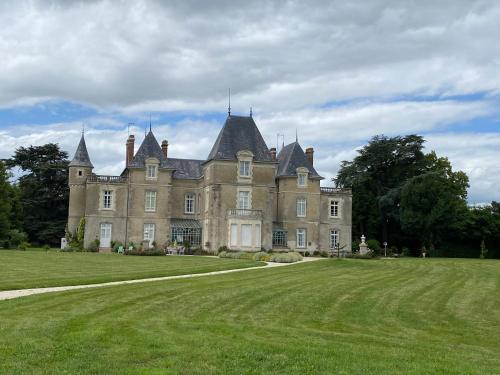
{"x": 363, "y": 247}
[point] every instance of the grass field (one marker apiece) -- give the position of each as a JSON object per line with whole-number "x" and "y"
{"x": 404, "y": 316}
{"x": 34, "y": 269}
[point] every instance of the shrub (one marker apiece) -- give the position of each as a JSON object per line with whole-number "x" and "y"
{"x": 237, "y": 255}
{"x": 16, "y": 237}
{"x": 324, "y": 254}
{"x": 23, "y": 245}
{"x": 261, "y": 256}
{"x": 405, "y": 251}
{"x": 151, "y": 252}
{"x": 374, "y": 245}
{"x": 46, "y": 247}
{"x": 94, "y": 246}
{"x": 368, "y": 255}
{"x": 222, "y": 249}
{"x": 285, "y": 257}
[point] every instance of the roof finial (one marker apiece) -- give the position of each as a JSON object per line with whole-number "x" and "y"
{"x": 296, "y": 136}
{"x": 149, "y": 121}
{"x": 83, "y": 129}
{"x": 250, "y": 111}
{"x": 229, "y": 106}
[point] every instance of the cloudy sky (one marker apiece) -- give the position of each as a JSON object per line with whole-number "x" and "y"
{"x": 338, "y": 72}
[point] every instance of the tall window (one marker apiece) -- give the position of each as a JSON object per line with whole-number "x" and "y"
{"x": 302, "y": 179}
{"x": 301, "y": 207}
{"x": 301, "y": 238}
{"x": 150, "y": 204}
{"x": 334, "y": 239}
{"x": 107, "y": 199}
{"x": 244, "y": 200}
{"x": 189, "y": 204}
{"x": 245, "y": 168}
{"x": 149, "y": 233}
{"x": 151, "y": 171}
{"x": 334, "y": 209}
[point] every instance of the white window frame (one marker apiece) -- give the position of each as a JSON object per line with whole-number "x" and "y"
{"x": 301, "y": 232}
{"x": 189, "y": 203}
{"x": 334, "y": 239}
{"x": 151, "y": 171}
{"x": 107, "y": 199}
{"x": 302, "y": 179}
{"x": 245, "y": 168}
{"x": 149, "y": 232}
{"x": 248, "y": 205}
{"x": 331, "y": 205}
{"x": 150, "y": 201}
{"x": 301, "y": 206}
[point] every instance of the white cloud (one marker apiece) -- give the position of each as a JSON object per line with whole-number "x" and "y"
{"x": 147, "y": 55}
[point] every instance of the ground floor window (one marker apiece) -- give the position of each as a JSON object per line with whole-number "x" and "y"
{"x": 149, "y": 233}
{"x": 334, "y": 239}
{"x": 280, "y": 238}
{"x": 301, "y": 238}
{"x": 181, "y": 235}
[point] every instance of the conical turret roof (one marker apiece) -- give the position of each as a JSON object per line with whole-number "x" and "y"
{"x": 81, "y": 158}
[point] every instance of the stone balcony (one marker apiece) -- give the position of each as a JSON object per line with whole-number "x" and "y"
{"x": 333, "y": 190}
{"x": 241, "y": 213}
{"x": 107, "y": 179}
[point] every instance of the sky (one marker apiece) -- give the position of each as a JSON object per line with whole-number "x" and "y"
{"x": 334, "y": 72}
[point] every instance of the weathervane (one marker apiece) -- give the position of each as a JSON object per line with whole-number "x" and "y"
{"x": 229, "y": 106}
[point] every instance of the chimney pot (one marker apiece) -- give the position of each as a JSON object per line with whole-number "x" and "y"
{"x": 273, "y": 153}
{"x": 310, "y": 155}
{"x": 164, "y": 147}
{"x": 130, "y": 149}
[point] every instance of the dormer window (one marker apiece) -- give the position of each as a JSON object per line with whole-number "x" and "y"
{"x": 244, "y": 171}
{"x": 244, "y": 168}
{"x": 151, "y": 171}
{"x": 302, "y": 174}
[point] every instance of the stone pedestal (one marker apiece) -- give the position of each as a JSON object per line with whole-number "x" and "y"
{"x": 363, "y": 248}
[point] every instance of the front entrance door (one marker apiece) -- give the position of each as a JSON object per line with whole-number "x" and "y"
{"x": 105, "y": 235}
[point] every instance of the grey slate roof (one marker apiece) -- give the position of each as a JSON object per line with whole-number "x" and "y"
{"x": 81, "y": 158}
{"x": 292, "y": 157}
{"x": 239, "y": 133}
{"x": 187, "y": 169}
{"x": 148, "y": 149}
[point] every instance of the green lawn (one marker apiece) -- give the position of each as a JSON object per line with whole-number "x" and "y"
{"x": 34, "y": 269}
{"x": 402, "y": 316}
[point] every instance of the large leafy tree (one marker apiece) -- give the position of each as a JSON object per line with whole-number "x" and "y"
{"x": 5, "y": 203}
{"x": 376, "y": 176}
{"x": 433, "y": 204}
{"x": 43, "y": 189}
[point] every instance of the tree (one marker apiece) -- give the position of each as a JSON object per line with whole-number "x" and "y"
{"x": 434, "y": 203}
{"x": 43, "y": 190}
{"x": 376, "y": 176}
{"x": 5, "y": 204}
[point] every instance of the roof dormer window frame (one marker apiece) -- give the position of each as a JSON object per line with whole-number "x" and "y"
{"x": 302, "y": 177}
{"x": 152, "y": 165}
{"x": 245, "y": 166}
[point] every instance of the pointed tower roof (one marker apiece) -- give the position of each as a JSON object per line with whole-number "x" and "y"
{"x": 239, "y": 133}
{"x": 81, "y": 158}
{"x": 149, "y": 149}
{"x": 292, "y": 157}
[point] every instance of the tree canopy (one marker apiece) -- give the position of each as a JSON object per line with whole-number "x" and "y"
{"x": 43, "y": 191}
{"x": 410, "y": 199}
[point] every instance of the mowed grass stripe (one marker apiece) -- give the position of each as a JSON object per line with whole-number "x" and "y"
{"x": 410, "y": 316}
{"x": 35, "y": 269}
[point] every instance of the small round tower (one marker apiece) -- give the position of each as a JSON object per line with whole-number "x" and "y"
{"x": 80, "y": 168}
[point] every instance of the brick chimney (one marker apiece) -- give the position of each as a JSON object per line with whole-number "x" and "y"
{"x": 310, "y": 155}
{"x": 130, "y": 149}
{"x": 273, "y": 152}
{"x": 164, "y": 147}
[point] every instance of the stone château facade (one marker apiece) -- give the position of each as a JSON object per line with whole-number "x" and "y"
{"x": 242, "y": 196}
